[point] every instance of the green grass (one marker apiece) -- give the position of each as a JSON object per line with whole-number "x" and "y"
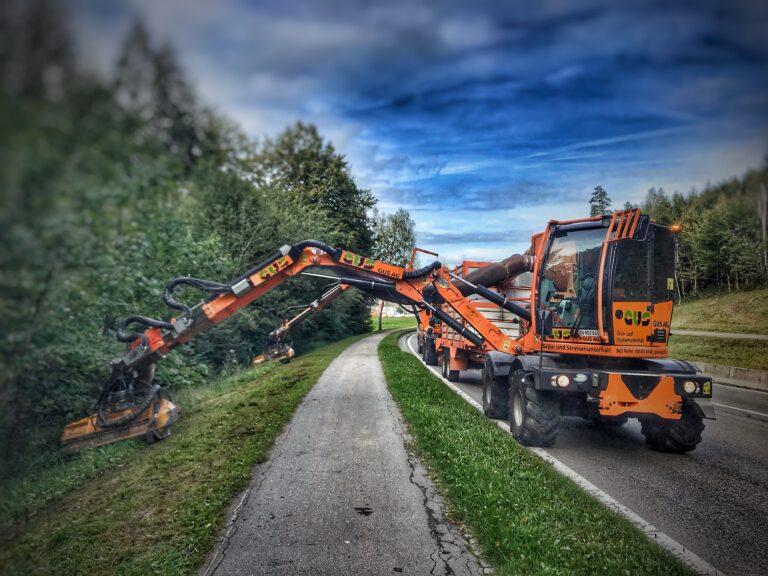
{"x": 527, "y": 518}
{"x": 723, "y": 351}
{"x": 129, "y": 509}
{"x": 393, "y": 323}
{"x": 737, "y": 312}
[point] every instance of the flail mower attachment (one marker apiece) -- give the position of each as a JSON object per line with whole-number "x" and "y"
{"x": 281, "y": 352}
{"x": 130, "y": 406}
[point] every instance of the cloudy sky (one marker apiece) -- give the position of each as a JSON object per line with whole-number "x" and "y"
{"x": 483, "y": 119}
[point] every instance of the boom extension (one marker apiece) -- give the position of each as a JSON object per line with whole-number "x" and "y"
{"x": 277, "y": 348}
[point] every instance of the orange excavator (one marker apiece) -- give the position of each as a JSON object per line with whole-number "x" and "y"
{"x": 592, "y": 339}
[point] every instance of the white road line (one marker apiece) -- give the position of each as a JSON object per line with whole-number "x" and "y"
{"x": 741, "y": 409}
{"x": 694, "y": 562}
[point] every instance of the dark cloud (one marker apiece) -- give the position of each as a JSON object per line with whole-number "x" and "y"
{"x": 459, "y": 110}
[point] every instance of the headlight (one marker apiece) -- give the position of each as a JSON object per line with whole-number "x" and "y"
{"x": 689, "y": 386}
{"x": 563, "y": 380}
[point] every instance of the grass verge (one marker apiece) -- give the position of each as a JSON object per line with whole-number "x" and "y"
{"x": 528, "y": 518}
{"x": 393, "y": 323}
{"x": 745, "y": 311}
{"x": 723, "y": 351}
{"x": 128, "y": 509}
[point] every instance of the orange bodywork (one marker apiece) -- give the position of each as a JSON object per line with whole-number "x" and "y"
{"x": 617, "y": 399}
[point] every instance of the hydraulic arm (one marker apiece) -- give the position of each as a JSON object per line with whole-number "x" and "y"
{"x": 131, "y": 406}
{"x": 277, "y": 348}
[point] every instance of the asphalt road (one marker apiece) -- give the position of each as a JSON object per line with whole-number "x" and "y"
{"x": 713, "y": 501}
{"x": 340, "y": 494}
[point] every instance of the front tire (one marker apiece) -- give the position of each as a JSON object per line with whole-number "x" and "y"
{"x": 675, "y": 436}
{"x": 534, "y": 415}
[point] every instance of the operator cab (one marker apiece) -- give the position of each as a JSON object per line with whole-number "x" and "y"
{"x": 637, "y": 281}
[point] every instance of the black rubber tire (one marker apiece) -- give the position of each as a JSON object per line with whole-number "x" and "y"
{"x": 430, "y": 353}
{"x": 451, "y": 375}
{"x": 495, "y": 396}
{"x": 675, "y": 436}
{"x": 539, "y": 417}
{"x": 420, "y": 344}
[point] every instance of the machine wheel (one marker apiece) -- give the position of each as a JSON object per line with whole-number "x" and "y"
{"x": 495, "y": 396}
{"x": 430, "y": 353}
{"x": 534, "y": 415}
{"x": 420, "y": 344}
{"x": 676, "y": 436}
{"x": 451, "y": 375}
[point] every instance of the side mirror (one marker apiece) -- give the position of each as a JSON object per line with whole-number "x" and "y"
{"x": 543, "y": 322}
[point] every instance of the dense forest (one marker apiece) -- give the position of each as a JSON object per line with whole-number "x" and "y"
{"x": 109, "y": 188}
{"x": 722, "y": 244}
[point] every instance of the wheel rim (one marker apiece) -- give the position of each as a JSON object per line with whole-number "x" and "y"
{"x": 517, "y": 410}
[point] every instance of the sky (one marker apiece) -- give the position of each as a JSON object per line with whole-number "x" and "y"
{"x": 483, "y": 119}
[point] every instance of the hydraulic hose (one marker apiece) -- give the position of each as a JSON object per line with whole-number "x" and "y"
{"x": 206, "y": 285}
{"x": 298, "y": 248}
{"x": 106, "y": 423}
{"x": 123, "y": 337}
{"x": 423, "y": 271}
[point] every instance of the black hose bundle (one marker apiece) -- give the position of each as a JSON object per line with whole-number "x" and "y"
{"x": 298, "y": 248}
{"x": 123, "y": 337}
{"x": 419, "y": 272}
{"x": 205, "y": 285}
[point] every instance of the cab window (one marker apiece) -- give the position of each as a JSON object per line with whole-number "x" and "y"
{"x": 569, "y": 278}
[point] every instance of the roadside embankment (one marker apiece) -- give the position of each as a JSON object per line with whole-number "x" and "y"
{"x": 159, "y": 509}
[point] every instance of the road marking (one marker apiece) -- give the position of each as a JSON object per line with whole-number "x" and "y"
{"x": 694, "y": 562}
{"x": 742, "y": 409}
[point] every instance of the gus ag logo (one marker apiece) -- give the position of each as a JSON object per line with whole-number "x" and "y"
{"x": 634, "y": 317}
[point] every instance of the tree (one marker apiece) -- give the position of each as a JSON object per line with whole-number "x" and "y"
{"x": 150, "y": 86}
{"x": 304, "y": 166}
{"x": 394, "y": 239}
{"x": 599, "y": 203}
{"x": 134, "y": 84}
{"x": 36, "y": 49}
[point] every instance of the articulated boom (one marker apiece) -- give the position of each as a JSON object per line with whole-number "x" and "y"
{"x": 120, "y": 415}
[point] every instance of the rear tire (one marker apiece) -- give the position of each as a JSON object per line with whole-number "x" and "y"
{"x": 675, "y": 436}
{"x": 451, "y": 375}
{"x": 420, "y": 344}
{"x": 534, "y": 415}
{"x": 495, "y": 395}
{"x": 430, "y": 353}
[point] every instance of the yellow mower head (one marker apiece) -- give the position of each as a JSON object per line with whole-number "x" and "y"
{"x": 119, "y": 415}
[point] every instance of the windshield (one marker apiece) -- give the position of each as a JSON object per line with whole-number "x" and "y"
{"x": 569, "y": 278}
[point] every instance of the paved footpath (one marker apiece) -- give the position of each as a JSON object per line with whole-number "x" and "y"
{"x": 340, "y": 494}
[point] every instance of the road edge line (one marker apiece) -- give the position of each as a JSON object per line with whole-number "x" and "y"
{"x": 686, "y": 556}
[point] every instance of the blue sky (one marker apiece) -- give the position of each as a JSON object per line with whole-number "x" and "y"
{"x": 483, "y": 119}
